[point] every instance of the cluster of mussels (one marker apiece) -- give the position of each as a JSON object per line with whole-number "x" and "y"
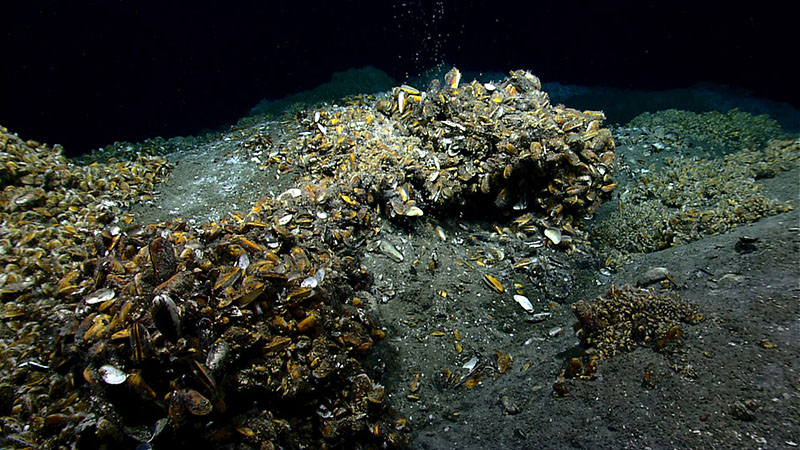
{"x": 163, "y": 333}
{"x": 689, "y": 198}
{"x": 504, "y": 142}
{"x": 714, "y": 130}
{"x": 50, "y": 209}
{"x": 247, "y": 330}
{"x": 455, "y": 147}
{"x": 626, "y": 317}
{"x": 621, "y": 320}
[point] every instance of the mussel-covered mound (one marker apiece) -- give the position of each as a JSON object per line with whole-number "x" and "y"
{"x": 456, "y": 148}
{"x": 49, "y": 208}
{"x": 690, "y": 198}
{"x": 627, "y": 317}
{"x": 247, "y": 330}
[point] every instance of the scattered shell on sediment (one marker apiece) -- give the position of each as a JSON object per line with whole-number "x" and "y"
{"x": 469, "y": 365}
{"x": 493, "y": 283}
{"x": 553, "y": 332}
{"x": 540, "y": 317}
{"x": 524, "y": 302}
{"x": 390, "y": 250}
{"x": 285, "y": 219}
{"x": 553, "y": 234}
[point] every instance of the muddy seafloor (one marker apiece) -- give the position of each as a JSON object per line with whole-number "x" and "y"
{"x": 734, "y": 383}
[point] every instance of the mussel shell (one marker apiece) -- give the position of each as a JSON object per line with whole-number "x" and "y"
{"x": 112, "y": 375}
{"x": 140, "y": 341}
{"x": 99, "y": 296}
{"x": 195, "y": 402}
{"x": 166, "y": 317}
{"x": 162, "y": 259}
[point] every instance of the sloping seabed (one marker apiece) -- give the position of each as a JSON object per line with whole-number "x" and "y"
{"x": 404, "y": 268}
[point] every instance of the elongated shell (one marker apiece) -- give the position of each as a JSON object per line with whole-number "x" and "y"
{"x": 524, "y": 302}
{"x": 493, "y": 283}
{"x": 166, "y": 317}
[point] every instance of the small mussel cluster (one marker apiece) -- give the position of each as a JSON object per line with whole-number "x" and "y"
{"x": 719, "y": 132}
{"x": 619, "y": 321}
{"x": 157, "y": 146}
{"x": 246, "y": 332}
{"x": 455, "y": 148}
{"x": 627, "y": 317}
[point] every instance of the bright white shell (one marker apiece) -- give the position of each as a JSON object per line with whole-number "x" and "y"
{"x": 413, "y": 212}
{"x": 112, "y": 375}
{"x": 524, "y": 302}
{"x": 469, "y": 365}
{"x": 309, "y": 283}
{"x": 553, "y": 234}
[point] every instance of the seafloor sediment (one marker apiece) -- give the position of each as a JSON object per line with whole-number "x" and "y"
{"x": 399, "y": 268}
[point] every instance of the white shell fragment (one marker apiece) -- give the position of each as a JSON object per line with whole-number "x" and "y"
{"x": 410, "y": 89}
{"x": 391, "y": 251}
{"x": 553, "y": 234}
{"x": 555, "y": 331}
{"x": 401, "y": 102}
{"x": 99, "y": 296}
{"x": 540, "y": 317}
{"x": 469, "y": 365}
{"x": 293, "y": 193}
{"x": 324, "y": 412}
{"x": 413, "y": 212}
{"x": 244, "y": 261}
{"x": 313, "y": 282}
{"x": 112, "y": 375}
{"x": 309, "y": 283}
{"x": 524, "y": 302}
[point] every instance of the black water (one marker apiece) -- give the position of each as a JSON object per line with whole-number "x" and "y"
{"x": 85, "y": 74}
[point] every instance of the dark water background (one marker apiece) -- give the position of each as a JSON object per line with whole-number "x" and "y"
{"x": 85, "y": 74}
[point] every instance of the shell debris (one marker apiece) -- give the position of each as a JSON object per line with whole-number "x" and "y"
{"x": 493, "y": 283}
{"x": 524, "y": 303}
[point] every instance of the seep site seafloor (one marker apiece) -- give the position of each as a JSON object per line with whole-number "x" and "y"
{"x": 405, "y": 269}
